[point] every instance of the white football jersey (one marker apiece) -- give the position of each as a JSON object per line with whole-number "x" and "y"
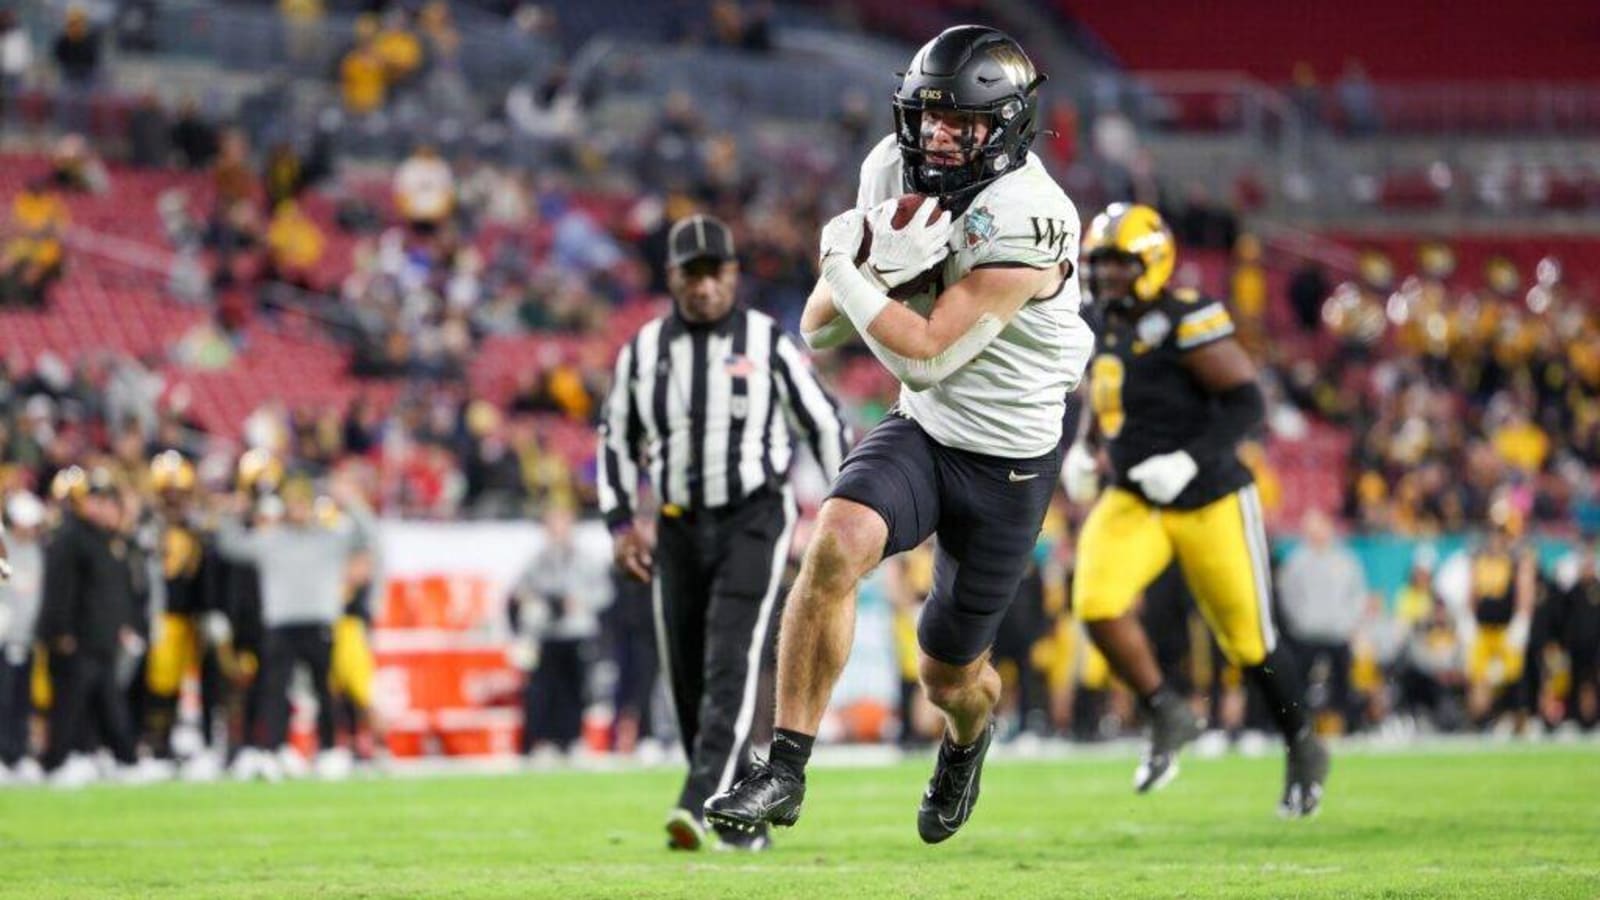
{"x": 1010, "y": 399}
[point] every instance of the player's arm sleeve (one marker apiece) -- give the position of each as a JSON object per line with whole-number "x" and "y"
{"x": 809, "y": 408}
{"x": 621, "y": 433}
{"x": 922, "y": 374}
{"x": 836, "y": 331}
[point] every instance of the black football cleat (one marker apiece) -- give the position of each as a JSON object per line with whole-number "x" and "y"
{"x": 953, "y": 790}
{"x": 1304, "y": 776}
{"x": 767, "y": 796}
{"x": 730, "y": 840}
{"x": 1172, "y": 725}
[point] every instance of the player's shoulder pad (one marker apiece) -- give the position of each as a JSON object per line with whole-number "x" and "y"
{"x": 881, "y": 176}
{"x": 1198, "y": 320}
{"x": 1023, "y": 218}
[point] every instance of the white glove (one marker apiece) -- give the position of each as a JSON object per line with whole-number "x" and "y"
{"x": 523, "y": 654}
{"x": 1080, "y": 474}
{"x": 1164, "y": 477}
{"x": 900, "y": 255}
{"x": 843, "y": 234}
{"x": 217, "y": 628}
{"x": 5, "y": 569}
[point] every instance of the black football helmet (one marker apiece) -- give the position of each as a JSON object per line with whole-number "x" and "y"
{"x": 974, "y": 69}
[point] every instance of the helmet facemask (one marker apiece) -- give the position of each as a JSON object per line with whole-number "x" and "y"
{"x": 1119, "y": 297}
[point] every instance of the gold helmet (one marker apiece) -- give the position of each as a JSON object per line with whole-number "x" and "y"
{"x": 1136, "y": 231}
{"x": 70, "y": 485}
{"x": 259, "y": 470}
{"x": 169, "y": 471}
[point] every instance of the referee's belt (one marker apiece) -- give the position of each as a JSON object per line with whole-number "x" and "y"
{"x": 686, "y": 513}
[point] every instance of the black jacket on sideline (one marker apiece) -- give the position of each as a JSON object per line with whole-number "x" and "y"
{"x": 88, "y": 588}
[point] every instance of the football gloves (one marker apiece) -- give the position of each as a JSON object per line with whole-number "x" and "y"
{"x": 899, "y": 255}
{"x": 1080, "y": 473}
{"x": 1163, "y": 477}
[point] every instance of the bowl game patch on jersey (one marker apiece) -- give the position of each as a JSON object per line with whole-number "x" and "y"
{"x": 979, "y": 227}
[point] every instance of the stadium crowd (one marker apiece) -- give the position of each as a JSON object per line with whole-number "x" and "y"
{"x": 1463, "y": 408}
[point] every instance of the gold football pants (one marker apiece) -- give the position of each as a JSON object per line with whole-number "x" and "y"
{"x": 1221, "y": 549}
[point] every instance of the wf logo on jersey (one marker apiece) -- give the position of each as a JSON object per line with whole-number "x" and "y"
{"x": 1051, "y": 233}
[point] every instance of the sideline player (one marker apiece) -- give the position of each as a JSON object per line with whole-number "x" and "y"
{"x": 986, "y": 353}
{"x": 1171, "y": 395}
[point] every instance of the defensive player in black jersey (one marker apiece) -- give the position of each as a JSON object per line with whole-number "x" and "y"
{"x": 177, "y": 642}
{"x": 1171, "y": 395}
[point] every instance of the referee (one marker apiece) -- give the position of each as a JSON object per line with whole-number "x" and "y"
{"x": 708, "y": 397}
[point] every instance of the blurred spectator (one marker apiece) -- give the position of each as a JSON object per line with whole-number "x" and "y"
{"x": 77, "y": 50}
{"x": 1323, "y": 591}
{"x": 1304, "y": 92}
{"x": 231, "y": 174}
{"x": 399, "y": 49}
{"x": 494, "y": 484}
{"x": 194, "y": 137}
{"x": 363, "y": 79}
{"x": 1358, "y": 101}
{"x": 149, "y": 134}
{"x": 424, "y": 188}
{"x": 1431, "y": 676}
{"x": 305, "y": 28}
{"x": 16, "y": 58}
{"x": 446, "y": 84}
{"x": 555, "y": 610}
{"x": 1578, "y": 629}
{"x": 1521, "y": 443}
{"x": 1248, "y": 287}
{"x": 295, "y": 246}
{"x": 283, "y": 176}
{"x": 33, "y": 260}
{"x": 550, "y": 110}
{"x": 1203, "y": 224}
{"x": 74, "y": 166}
{"x": 734, "y": 26}
{"x": 1308, "y": 287}
{"x": 87, "y": 619}
{"x": 19, "y": 611}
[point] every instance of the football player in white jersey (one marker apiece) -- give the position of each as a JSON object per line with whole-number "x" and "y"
{"x": 987, "y": 344}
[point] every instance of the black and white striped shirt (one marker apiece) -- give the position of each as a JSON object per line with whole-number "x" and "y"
{"x": 710, "y": 411}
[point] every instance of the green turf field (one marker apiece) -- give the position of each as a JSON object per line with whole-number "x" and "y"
{"x": 1518, "y": 822}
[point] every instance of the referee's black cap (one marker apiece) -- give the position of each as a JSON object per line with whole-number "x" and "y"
{"x": 699, "y": 237}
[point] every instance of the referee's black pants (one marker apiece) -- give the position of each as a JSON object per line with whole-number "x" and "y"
{"x": 715, "y": 597}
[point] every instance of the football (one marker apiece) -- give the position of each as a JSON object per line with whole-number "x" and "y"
{"x": 908, "y": 205}
{"x": 904, "y": 209}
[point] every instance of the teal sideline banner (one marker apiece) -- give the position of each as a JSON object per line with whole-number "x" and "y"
{"x": 1387, "y": 558}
